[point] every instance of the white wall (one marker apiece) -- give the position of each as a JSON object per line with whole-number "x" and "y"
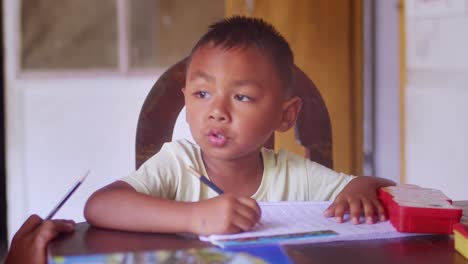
{"x": 58, "y": 127}
{"x": 386, "y": 91}
{"x": 64, "y": 127}
{"x": 437, "y": 95}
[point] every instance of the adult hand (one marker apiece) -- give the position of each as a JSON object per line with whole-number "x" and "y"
{"x": 29, "y": 245}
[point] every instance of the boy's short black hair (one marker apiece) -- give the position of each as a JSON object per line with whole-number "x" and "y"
{"x": 243, "y": 32}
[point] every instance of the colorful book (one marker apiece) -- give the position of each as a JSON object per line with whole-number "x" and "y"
{"x": 263, "y": 254}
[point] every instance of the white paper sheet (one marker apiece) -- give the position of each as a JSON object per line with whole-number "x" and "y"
{"x": 283, "y": 218}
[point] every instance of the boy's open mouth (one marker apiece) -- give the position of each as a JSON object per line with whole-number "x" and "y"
{"x": 217, "y": 138}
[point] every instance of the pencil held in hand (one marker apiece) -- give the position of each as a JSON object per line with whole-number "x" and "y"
{"x": 69, "y": 193}
{"x": 210, "y": 184}
{"x": 205, "y": 180}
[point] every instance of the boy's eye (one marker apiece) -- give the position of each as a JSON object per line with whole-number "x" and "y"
{"x": 242, "y": 98}
{"x": 201, "y": 94}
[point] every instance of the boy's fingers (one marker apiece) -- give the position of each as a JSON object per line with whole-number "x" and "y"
{"x": 29, "y": 225}
{"x": 330, "y": 211}
{"x": 252, "y": 205}
{"x": 340, "y": 209}
{"x": 247, "y": 212}
{"x": 355, "y": 210}
{"x": 243, "y": 223}
{"x": 368, "y": 211}
{"x": 380, "y": 211}
{"x": 233, "y": 229}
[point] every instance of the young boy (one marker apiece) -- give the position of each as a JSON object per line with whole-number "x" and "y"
{"x": 237, "y": 93}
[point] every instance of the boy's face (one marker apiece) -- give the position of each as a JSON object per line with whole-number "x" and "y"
{"x": 234, "y": 100}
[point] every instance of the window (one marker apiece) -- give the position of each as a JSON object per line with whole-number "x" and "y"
{"x": 111, "y": 35}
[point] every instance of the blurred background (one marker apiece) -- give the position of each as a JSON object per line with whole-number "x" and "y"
{"x": 75, "y": 73}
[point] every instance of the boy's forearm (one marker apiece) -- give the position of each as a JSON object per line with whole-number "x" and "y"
{"x": 119, "y": 206}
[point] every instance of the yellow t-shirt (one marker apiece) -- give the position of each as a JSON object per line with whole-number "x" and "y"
{"x": 286, "y": 176}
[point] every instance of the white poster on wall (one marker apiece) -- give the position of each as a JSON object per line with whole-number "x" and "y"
{"x": 435, "y": 8}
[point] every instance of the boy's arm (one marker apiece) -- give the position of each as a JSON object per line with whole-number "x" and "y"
{"x": 359, "y": 195}
{"x": 119, "y": 206}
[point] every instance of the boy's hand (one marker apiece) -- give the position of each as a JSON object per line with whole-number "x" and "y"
{"x": 225, "y": 214}
{"x": 360, "y": 195}
{"x": 29, "y": 245}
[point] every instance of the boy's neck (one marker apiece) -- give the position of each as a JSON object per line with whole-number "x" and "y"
{"x": 240, "y": 176}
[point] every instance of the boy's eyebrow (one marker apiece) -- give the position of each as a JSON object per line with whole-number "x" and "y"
{"x": 202, "y": 75}
{"x": 237, "y": 83}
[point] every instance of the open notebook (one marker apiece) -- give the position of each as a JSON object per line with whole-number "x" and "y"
{"x": 303, "y": 222}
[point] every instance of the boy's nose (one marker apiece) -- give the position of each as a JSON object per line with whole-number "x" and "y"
{"x": 219, "y": 115}
{"x": 219, "y": 112}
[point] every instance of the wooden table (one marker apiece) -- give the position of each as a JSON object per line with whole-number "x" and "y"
{"x": 437, "y": 249}
{"x": 424, "y": 249}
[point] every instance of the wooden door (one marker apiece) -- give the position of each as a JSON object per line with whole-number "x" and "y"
{"x": 326, "y": 38}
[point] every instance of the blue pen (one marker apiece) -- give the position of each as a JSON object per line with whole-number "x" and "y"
{"x": 205, "y": 180}
{"x": 69, "y": 193}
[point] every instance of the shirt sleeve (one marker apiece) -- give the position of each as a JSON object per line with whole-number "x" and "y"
{"x": 324, "y": 183}
{"x": 157, "y": 176}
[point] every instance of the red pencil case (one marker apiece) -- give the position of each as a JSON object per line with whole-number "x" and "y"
{"x": 413, "y": 209}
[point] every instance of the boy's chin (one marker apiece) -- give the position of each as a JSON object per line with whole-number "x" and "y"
{"x": 226, "y": 153}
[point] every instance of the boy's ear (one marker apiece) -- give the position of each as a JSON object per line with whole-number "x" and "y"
{"x": 291, "y": 109}
{"x": 183, "y": 90}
